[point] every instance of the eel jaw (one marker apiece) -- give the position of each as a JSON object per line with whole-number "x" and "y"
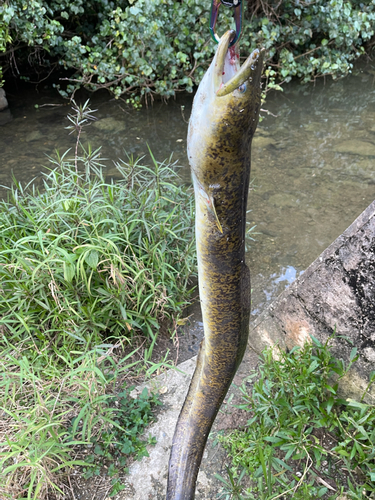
{"x": 241, "y": 76}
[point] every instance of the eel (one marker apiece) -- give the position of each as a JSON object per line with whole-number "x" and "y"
{"x": 222, "y": 123}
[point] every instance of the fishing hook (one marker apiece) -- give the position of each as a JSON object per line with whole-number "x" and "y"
{"x": 237, "y": 6}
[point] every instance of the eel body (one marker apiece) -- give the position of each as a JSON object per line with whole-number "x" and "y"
{"x": 223, "y": 120}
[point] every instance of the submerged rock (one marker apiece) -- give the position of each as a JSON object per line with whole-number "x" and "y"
{"x": 313, "y": 126}
{"x": 355, "y": 147}
{"x": 35, "y": 135}
{"x": 335, "y": 293}
{"x": 5, "y": 117}
{"x": 262, "y": 131}
{"x": 3, "y": 100}
{"x": 282, "y": 200}
{"x": 263, "y": 141}
{"x": 110, "y": 124}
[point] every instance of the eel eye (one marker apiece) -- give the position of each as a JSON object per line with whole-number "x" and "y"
{"x": 242, "y": 88}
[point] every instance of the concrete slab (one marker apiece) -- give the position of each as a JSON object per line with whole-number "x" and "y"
{"x": 337, "y": 291}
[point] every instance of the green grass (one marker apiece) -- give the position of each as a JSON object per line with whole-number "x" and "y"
{"x": 85, "y": 259}
{"x": 302, "y": 440}
{"x": 51, "y": 417}
{"x": 91, "y": 270}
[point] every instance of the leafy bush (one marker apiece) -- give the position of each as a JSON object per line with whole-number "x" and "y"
{"x": 143, "y": 47}
{"x": 85, "y": 259}
{"x": 301, "y": 437}
{"x": 309, "y": 39}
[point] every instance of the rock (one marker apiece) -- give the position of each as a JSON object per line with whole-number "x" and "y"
{"x": 336, "y": 292}
{"x": 147, "y": 478}
{"x": 35, "y": 135}
{"x": 3, "y": 100}
{"x": 363, "y": 169}
{"x": 263, "y": 141}
{"x": 313, "y": 126}
{"x": 283, "y": 200}
{"x": 262, "y": 131}
{"x": 5, "y": 117}
{"x": 109, "y": 124}
{"x": 355, "y": 147}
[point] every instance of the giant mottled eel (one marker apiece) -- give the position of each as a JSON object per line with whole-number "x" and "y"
{"x": 222, "y": 124}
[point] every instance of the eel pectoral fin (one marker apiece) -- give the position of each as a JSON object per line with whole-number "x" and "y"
{"x": 208, "y": 200}
{"x": 212, "y": 209}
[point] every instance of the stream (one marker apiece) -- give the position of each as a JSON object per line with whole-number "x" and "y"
{"x": 313, "y": 161}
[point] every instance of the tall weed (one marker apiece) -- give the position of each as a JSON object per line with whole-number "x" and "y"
{"x": 87, "y": 259}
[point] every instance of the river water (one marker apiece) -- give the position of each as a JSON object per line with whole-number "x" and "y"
{"x": 313, "y": 163}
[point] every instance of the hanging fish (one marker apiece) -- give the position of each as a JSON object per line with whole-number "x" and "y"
{"x": 223, "y": 121}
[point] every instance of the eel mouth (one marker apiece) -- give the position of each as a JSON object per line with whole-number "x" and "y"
{"x": 228, "y": 74}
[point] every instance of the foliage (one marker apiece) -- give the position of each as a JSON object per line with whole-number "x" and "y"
{"x": 86, "y": 259}
{"x": 317, "y": 38}
{"x": 301, "y": 437}
{"x": 141, "y": 47}
{"x": 122, "y": 437}
{"x": 132, "y": 415}
{"x": 5, "y": 39}
{"x": 53, "y": 414}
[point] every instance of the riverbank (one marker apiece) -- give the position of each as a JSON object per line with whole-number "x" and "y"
{"x": 312, "y": 175}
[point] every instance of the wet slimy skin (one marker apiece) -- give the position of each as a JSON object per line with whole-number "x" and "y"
{"x": 222, "y": 124}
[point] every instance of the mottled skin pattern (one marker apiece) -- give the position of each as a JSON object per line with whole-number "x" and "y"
{"x": 219, "y": 141}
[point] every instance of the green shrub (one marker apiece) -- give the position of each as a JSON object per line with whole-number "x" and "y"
{"x": 309, "y": 39}
{"x": 300, "y": 434}
{"x": 85, "y": 259}
{"x": 141, "y": 48}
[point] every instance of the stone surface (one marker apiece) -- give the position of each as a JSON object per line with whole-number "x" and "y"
{"x": 5, "y": 117}
{"x": 364, "y": 170}
{"x": 263, "y": 141}
{"x": 34, "y": 135}
{"x": 177, "y": 384}
{"x": 110, "y": 124}
{"x": 148, "y": 478}
{"x": 355, "y": 147}
{"x": 282, "y": 200}
{"x": 337, "y": 291}
{"x": 3, "y": 100}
